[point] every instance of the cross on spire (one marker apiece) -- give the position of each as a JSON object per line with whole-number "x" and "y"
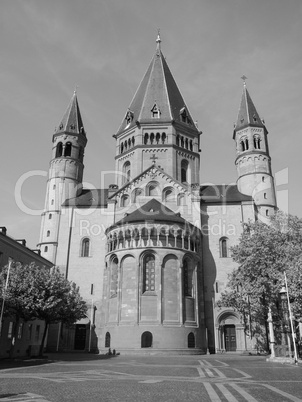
{"x": 244, "y": 78}
{"x": 158, "y": 40}
{"x": 153, "y": 158}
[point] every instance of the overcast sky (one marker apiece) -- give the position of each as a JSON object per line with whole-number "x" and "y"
{"x": 104, "y": 47}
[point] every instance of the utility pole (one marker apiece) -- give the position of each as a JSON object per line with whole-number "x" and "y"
{"x": 10, "y": 261}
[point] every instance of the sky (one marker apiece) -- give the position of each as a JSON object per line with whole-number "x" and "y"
{"x": 103, "y": 48}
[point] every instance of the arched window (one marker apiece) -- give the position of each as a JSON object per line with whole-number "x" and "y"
{"x": 246, "y": 144}
{"x": 182, "y": 141}
{"x": 242, "y": 145}
{"x": 187, "y": 278}
{"x": 184, "y": 171}
{"x": 122, "y": 148}
{"x": 191, "y": 340}
{"x": 168, "y": 195}
{"x": 107, "y": 340}
{"x": 163, "y": 137}
{"x": 151, "y": 138}
{"x": 146, "y": 138}
{"x": 126, "y": 172}
{"x": 181, "y": 199}
{"x": 113, "y": 277}
{"x": 48, "y": 233}
{"x": 59, "y": 150}
{"x": 177, "y": 140}
{"x": 149, "y": 273}
{"x": 153, "y": 189}
{"x": 256, "y": 142}
{"x": 191, "y": 145}
{"x": 125, "y": 200}
{"x": 187, "y": 143}
{"x": 136, "y": 194}
{"x": 45, "y": 249}
{"x": 223, "y": 247}
{"x": 67, "y": 149}
{"x": 157, "y": 138}
{"x": 85, "y": 247}
{"x": 146, "y": 340}
{"x": 49, "y": 216}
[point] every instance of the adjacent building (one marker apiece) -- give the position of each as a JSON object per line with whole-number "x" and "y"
{"x": 29, "y": 334}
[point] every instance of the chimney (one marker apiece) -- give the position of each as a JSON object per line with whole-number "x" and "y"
{"x": 3, "y": 230}
{"x": 22, "y": 241}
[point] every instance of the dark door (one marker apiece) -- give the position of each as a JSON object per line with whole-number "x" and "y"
{"x": 147, "y": 340}
{"x": 230, "y": 338}
{"x": 80, "y": 337}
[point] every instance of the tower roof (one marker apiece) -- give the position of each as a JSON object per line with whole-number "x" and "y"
{"x": 157, "y": 98}
{"x": 72, "y": 120}
{"x": 247, "y": 115}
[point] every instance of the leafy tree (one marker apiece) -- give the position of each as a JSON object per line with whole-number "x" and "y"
{"x": 264, "y": 253}
{"x": 40, "y": 293}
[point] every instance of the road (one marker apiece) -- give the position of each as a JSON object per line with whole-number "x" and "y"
{"x": 213, "y": 378}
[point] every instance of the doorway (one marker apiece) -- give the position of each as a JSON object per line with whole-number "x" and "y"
{"x": 230, "y": 338}
{"x": 146, "y": 340}
{"x": 80, "y": 337}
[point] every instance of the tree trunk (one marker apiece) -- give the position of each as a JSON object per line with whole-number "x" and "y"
{"x": 43, "y": 339}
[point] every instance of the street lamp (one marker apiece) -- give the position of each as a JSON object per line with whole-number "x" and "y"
{"x": 284, "y": 319}
{"x": 287, "y": 309}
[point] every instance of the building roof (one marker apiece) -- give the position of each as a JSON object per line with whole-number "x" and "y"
{"x": 71, "y": 121}
{"x": 153, "y": 210}
{"x": 19, "y": 252}
{"x": 88, "y": 198}
{"x": 247, "y": 114}
{"x": 222, "y": 194}
{"x": 157, "y": 91}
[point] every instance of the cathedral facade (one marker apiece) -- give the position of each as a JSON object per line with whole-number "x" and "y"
{"x": 145, "y": 252}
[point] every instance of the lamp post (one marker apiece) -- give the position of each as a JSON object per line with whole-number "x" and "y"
{"x": 287, "y": 310}
{"x": 10, "y": 261}
{"x": 271, "y": 332}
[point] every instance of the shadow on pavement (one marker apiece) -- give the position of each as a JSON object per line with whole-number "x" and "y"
{"x": 49, "y": 358}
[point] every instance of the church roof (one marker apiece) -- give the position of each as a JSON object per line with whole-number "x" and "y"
{"x": 88, "y": 198}
{"x": 159, "y": 93}
{"x": 153, "y": 210}
{"x": 209, "y": 194}
{"x": 247, "y": 114}
{"x": 222, "y": 193}
{"x": 71, "y": 121}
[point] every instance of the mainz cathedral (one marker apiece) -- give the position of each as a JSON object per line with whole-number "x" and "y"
{"x": 152, "y": 274}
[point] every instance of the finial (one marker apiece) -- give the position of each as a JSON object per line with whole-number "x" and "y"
{"x": 244, "y": 78}
{"x": 158, "y": 40}
{"x": 75, "y": 89}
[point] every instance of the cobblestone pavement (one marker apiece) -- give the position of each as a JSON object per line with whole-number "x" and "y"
{"x": 152, "y": 378}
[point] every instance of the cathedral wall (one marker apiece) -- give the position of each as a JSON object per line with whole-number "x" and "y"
{"x": 219, "y": 223}
{"x": 85, "y": 268}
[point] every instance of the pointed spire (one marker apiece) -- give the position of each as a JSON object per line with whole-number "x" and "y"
{"x": 157, "y": 90}
{"x": 71, "y": 121}
{"x": 247, "y": 115}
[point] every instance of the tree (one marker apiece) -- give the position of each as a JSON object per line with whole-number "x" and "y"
{"x": 40, "y": 293}
{"x": 264, "y": 253}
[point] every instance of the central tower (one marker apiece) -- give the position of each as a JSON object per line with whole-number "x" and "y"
{"x": 158, "y": 127}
